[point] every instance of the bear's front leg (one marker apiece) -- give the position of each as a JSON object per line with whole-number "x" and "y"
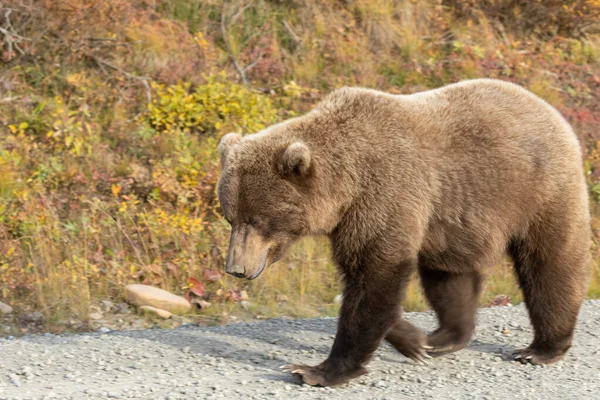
{"x": 371, "y": 305}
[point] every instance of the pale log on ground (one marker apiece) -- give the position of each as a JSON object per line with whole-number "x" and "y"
{"x": 143, "y": 295}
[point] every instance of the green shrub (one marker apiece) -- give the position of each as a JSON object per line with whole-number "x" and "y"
{"x": 209, "y": 107}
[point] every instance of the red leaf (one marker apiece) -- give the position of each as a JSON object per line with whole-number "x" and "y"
{"x": 172, "y": 267}
{"x": 211, "y": 275}
{"x": 500, "y": 300}
{"x": 196, "y": 287}
{"x": 234, "y": 295}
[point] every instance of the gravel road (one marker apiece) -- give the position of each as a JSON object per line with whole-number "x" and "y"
{"x": 241, "y": 361}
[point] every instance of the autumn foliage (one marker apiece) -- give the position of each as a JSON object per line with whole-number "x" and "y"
{"x": 110, "y": 113}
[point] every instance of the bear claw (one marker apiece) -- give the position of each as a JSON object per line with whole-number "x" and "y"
{"x": 317, "y": 376}
{"x": 418, "y": 354}
{"x": 309, "y": 375}
{"x": 533, "y": 356}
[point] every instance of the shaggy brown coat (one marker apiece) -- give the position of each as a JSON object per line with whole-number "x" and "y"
{"x": 443, "y": 182}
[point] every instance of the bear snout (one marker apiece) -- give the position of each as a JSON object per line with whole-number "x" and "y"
{"x": 236, "y": 270}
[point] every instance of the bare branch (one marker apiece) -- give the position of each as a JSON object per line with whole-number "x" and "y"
{"x": 96, "y": 39}
{"x": 142, "y": 79}
{"x": 11, "y": 37}
{"x": 502, "y": 32}
{"x": 291, "y": 31}
{"x": 239, "y": 69}
{"x": 9, "y": 99}
{"x": 240, "y": 13}
{"x": 247, "y": 67}
{"x": 13, "y": 34}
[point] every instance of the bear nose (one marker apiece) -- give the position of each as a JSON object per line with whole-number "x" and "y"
{"x": 236, "y": 270}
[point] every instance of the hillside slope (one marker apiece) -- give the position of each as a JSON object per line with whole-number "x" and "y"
{"x": 110, "y": 112}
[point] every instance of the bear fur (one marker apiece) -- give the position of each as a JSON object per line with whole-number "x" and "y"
{"x": 442, "y": 182}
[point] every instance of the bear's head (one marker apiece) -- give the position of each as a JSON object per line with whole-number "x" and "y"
{"x": 264, "y": 190}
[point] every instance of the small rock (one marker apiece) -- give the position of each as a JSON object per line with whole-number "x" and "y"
{"x": 103, "y": 330}
{"x": 157, "y": 311}
{"x": 122, "y": 308}
{"x": 144, "y": 295}
{"x": 338, "y": 299}
{"x": 281, "y": 298}
{"x": 5, "y": 309}
{"x": 35, "y": 316}
{"x": 96, "y": 316}
{"x": 107, "y": 304}
{"x": 245, "y": 304}
{"x": 182, "y": 320}
{"x": 244, "y": 295}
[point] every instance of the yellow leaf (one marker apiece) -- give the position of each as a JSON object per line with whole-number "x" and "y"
{"x": 23, "y": 126}
{"x": 12, "y": 128}
{"x": 115, "y": 189}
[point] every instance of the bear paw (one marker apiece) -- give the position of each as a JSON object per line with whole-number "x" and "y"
{"x": 414, "y": 348}
{"x": 537, "y": 356}
{"x": 444, "y": 341}
{"x": 417, "y": 353}
{"x": 318, "y": 376}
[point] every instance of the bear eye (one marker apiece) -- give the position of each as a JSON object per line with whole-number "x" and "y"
{"x": 253, "y": 221}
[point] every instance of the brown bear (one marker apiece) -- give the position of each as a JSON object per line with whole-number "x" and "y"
{"x": 444, "y": 182}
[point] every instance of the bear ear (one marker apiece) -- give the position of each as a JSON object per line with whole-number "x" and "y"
{"x": 225, "y": 144}
{"x": 295, "y": 161}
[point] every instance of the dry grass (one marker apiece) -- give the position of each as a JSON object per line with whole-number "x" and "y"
{"x": 93, "y": 197}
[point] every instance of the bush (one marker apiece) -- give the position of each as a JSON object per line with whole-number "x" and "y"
{"x": 544, "y": 18}
{"x": 209, "y": 107}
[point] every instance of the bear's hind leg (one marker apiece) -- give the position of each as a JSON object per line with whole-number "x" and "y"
{"x": 453, "y": 297}
{"x": 553, "y": 272}
{"x": 409, "y": 340}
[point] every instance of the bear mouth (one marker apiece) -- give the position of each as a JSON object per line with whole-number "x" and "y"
{"x": 262, "y": 267}
{"x": 257, "y": 273}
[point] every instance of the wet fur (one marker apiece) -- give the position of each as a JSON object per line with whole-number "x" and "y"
{"x": 442, "y": 182}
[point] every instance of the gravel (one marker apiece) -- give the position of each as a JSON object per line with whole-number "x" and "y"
{"x": 241, "y": 361}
